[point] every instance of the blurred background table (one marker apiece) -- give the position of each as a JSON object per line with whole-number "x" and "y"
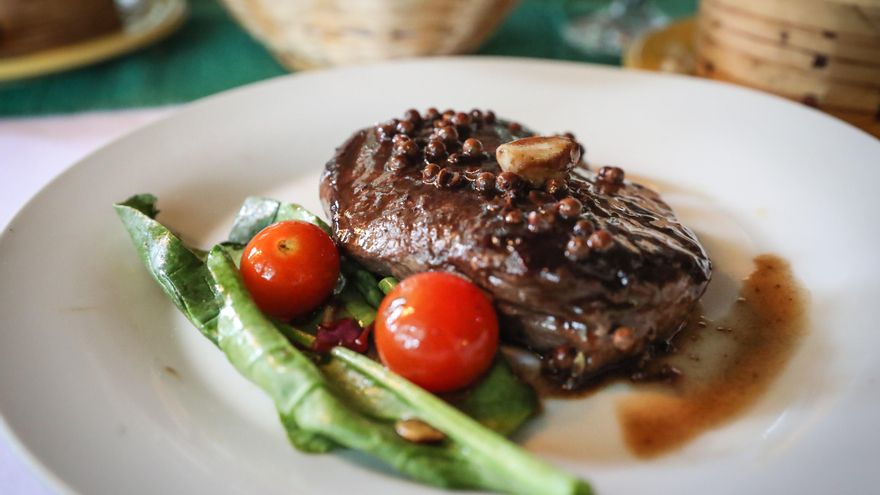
{"x": 211, "y": 53}
{"x": 40, "y": 136}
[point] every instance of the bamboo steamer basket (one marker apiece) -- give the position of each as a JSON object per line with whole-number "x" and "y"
{"x": 782, "y": 79}
{"x": 825, "y": 53}
{"x": 305, "y": 34}
{"x": 809, "y": 39}
{"x": 847, "y": 20}
{"x": 815, "y": 64}
{"x": 835, "y": 100}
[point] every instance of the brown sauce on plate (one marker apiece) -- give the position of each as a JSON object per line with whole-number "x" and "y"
{"x": 725, "y": 364}
{"x": 713, "y": 371}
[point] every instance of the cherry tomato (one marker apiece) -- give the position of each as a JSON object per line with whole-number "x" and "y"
{"x": 290, "y": 268}
{"x": 438, "y": 330}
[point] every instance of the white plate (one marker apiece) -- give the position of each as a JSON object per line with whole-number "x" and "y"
{"x": 88, "y": 340}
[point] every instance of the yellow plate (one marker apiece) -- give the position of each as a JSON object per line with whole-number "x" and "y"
{"x": 670, "y": 49}
{"x": 158, "y": 19}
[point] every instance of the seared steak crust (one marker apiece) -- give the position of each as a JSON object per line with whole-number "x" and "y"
{"x": 584, "y": 285}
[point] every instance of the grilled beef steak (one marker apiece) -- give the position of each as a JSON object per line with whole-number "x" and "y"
{"x": 585, "y": 268}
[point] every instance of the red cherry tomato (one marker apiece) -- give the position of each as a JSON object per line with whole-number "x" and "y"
{"x": 290, "y": 268}
{"x": 438, "y": 330}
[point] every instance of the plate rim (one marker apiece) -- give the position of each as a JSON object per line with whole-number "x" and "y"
{"x": 43, "y": 472}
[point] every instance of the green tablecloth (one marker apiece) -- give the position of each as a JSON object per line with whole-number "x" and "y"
{"x": 211, "y": 53}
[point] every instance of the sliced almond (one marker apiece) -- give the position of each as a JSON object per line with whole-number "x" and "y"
{"x": 538, "y": 159}
{"x": 417, "y": 431}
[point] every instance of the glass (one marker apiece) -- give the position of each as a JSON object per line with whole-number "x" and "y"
{"x": 609, "y": 30}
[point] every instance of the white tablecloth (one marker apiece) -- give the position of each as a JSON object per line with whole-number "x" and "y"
{"x": 32, "y": 152}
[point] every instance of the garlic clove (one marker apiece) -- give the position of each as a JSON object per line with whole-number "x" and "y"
{"x": 540, "y": 158}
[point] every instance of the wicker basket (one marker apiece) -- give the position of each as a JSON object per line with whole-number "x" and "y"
{"x": 825, "y": 53}
{"x": 306, "y": 34}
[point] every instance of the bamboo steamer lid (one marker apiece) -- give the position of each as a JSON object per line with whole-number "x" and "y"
{"x": 811, "y": 63}
{"x": 715, "y": 59}
{"x": 784, "y": 35}
{"x": 854, "y": 20}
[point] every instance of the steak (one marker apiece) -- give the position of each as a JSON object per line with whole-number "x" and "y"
{"x": 586, "y": 269}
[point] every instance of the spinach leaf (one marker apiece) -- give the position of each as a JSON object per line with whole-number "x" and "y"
{"x": 500, "y": 464}
{"x": 259, "y": 351}
{"x": 254, "y": 215}
{"x": 500, "y": 401}
{"x": 186, "y": 280}
{"x": 257, "y": 213}
{"x": 471, "y": 457}
{"x": 357, "y": 404}
{"x": 178, "y": 269}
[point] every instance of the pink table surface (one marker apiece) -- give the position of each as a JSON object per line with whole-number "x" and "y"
{"x": 33, "y": 151}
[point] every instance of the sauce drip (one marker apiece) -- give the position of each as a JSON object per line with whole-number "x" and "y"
{"x": 712, "y": 371}
{"x": 726, "y": 364}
